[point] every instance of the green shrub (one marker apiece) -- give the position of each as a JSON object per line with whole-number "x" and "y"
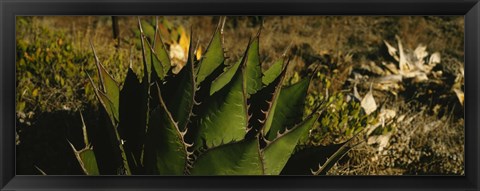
{"x": 342, "y": 119}
{"x": 46, "y": 63}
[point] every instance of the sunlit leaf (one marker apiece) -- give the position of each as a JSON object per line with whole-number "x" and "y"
{"x": 239, "y": 158}
{"x": 277, "y": 153}
{"x": 165, "y": 148}
{"x": 214, "y": 55}
{"x": 289, "y": 109}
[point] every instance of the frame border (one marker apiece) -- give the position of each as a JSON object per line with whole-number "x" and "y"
{"x": 11, "y": 8}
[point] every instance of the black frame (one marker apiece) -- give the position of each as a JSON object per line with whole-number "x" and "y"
{"x": 10, "y": 8}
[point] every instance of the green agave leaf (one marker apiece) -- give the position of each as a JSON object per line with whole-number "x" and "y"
{"x": 277, "y": 152}
{"x": 113, "y": 114}
{"x": 109, "y": 87}
{"x": 345, "y": 147}
{"x": 112, "y": 109}
{"x": 153, "y": 60}
{"x": 40, "y": 170}
{"x": 304, "y": 159}
{"x": 86, "y": 159}
{"x": 277, "y": 83}
{"x": 161, "y": 54}
{"x": 107, "y": 104}
{"x": 89, "y": 162}
{"x": 224, "y": 78}
{"x": 161, "y": 62}
{"x": 148, "y": 29}
{"x": 214, "y": 55}
{"x": 262, "y": 106}
{"x": 201, "y": 105}
{"x": 108, "y": 145}
{"x": 225, "y": 118}
{"x": 253, "y": 67}
{"x": 238, "y": 158}
{"x": 289, "y": 107}
{"x": 133, "y": 118}
{"x": 273, "y": 72}
{"x": 147, "y": 69}
{"x": 147, "y": 56}
{"x": 165, "y": 150}
{"x": 179, "y": 93}
{"x": 84, "y": 129}
{"x": 112, "y": 90}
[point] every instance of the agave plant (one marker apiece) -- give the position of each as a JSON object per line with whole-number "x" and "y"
{"x": 209, "y": 118}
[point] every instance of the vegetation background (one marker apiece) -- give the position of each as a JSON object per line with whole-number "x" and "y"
{"x": 54, "y": 55}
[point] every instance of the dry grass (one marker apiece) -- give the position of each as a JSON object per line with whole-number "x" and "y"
{"x": 421, "y": 145}
{"x": 361, "y": 36}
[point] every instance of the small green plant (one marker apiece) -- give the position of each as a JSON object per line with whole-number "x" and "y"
{"x": 210, "y": 118}
{"x": 344, "y": 115}
{"x": 343, "y": 118}
{"x": 51, "y": 73}
{"x": 44, "y": 68}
